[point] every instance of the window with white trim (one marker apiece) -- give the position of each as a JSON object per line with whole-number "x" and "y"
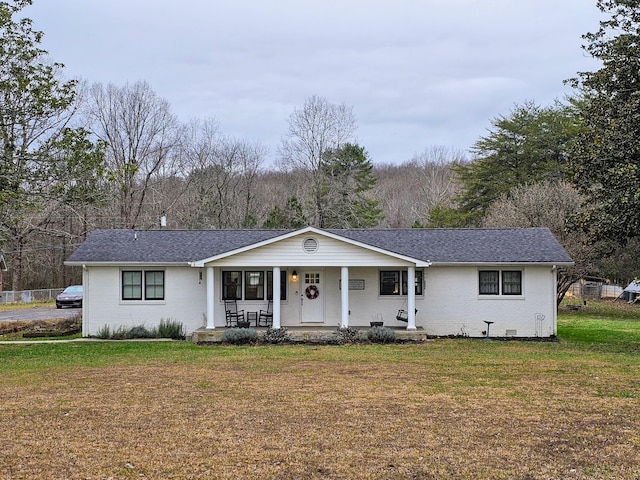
{"x": 394, "y": 282}
{"x": 251, "y": 285}
{"x": 231, "y": 285}
{"x": 283, "y": 285}
{"x": 133, "y": 286}
{"x": 500, "y": 282}
{"x": 154, "y": 285}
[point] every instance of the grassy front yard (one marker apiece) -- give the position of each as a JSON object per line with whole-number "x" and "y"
{"x": 466, "y": 409}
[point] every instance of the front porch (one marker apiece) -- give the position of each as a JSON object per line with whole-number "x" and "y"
{"x": 315, "y": 334}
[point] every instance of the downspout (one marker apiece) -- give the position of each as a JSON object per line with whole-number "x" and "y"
{"x": 554, "y": 296}
{"x": 85, "y": 288}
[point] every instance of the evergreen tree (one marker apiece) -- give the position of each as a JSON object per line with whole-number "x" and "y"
{"x": 40, "y": 157}
{"x": 606, "y": 157}
{"x": 528, "y": 146}
{"x": 347, "y": 177}
{"x": 289, "y": 217}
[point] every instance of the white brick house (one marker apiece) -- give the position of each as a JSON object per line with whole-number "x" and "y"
{"x": 461, "y": 278}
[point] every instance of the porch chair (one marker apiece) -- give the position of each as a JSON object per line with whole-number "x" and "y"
{"x": 232, "y": 313}
{"x": 265, "y": 318}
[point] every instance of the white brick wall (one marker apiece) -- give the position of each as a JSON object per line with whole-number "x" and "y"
{"x": 450, "y": 305}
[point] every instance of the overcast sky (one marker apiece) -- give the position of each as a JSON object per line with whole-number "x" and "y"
{"x": 418, "y": 73}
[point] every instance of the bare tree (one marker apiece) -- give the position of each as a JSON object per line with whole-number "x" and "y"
{"x": 547, "y": 204}
{"x": 140, "y": 134}
{"x": 438, "y": 180}
{"x": 222, "y": 180}
{"x": 409, "y": 191}
{"x": 315, "y": 129}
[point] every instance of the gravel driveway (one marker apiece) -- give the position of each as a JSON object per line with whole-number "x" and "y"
{"x": 39, "y": 313}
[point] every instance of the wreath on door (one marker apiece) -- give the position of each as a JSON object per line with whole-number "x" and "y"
{"x": 312, "y": 292}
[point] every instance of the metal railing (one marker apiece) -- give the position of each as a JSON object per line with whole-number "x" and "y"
{"x": 29, "y": 296}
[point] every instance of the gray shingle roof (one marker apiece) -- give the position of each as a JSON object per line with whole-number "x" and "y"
{"x": 435, "y": 245}
{"x": 467, "y": 245}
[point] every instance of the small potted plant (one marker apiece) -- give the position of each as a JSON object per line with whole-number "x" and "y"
{"x": 377, "y": 321}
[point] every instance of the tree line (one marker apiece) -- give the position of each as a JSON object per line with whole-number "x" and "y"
{"x": 75, "y": 157}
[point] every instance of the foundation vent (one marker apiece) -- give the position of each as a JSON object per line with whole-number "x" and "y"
{"x": 511, "y": 332}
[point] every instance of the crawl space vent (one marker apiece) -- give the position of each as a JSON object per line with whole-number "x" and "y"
{"x": 511, "y": 333}
{"x": 310, "y": 245}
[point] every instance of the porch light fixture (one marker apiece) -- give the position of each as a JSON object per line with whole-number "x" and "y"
{"x": 294, "y": 276}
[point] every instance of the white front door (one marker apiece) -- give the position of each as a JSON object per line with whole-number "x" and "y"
{"x": 312, "y": 297}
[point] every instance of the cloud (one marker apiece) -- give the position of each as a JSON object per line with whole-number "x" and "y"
{"x": 418, "y": 73}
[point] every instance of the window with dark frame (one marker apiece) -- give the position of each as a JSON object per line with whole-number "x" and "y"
{"x": 154, "y": 285}
{"x": 283, "y": 285}
{"x": 500, "y": 282}
{"x": 418, "y": 280}
{"x": 251, "y": 285}
{"x": 489, "y": 282}
{"x": 231, "y": 285}
{"x": 512, "y": 282}
{"x": 254, "y": 285}
{"x": 390, "y": 282}
{"x": 132, "y": 285}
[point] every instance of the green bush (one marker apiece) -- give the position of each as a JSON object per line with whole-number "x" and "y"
{"x": 170, "y": 329}
{"x": 104, "y": 333}
{"x": 276, "y": 335}
{"x": 166, "y": 329}
{"x": 139, "y": 331}
{"x": 120, "y": 333}
{"x": 347, "y": 335}
{"x": 239, "y": 336}
{"x": 381, "y": 335}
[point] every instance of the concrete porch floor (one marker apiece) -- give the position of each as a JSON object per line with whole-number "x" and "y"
{"x": 311, "y": 334}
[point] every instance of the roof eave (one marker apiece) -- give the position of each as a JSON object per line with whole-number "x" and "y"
{"x": 78, "y": 263}
{"x": 482, "y": 264}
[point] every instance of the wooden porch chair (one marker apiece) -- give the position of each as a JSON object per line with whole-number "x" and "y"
{"x": 232, "y": 313}
{"x": 265, "y": 318}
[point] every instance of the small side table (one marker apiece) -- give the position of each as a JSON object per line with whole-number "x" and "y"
{"x": 252, "y": 317}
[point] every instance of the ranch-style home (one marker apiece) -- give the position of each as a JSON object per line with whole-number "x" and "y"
{"x": 441, "y": 281}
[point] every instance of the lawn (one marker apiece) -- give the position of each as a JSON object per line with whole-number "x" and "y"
{"x": 464, "y": 409}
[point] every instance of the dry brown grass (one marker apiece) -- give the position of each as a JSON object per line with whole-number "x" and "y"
{"x": 449, "y": 409}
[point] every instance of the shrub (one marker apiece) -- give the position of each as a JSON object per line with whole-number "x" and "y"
{"x": 347, "y": 335}
{"x": 381, "y": 335}
{"x": 139, "y": 331}
{"x": 166, "y": 329}
{"x": 276, "y": 335}
{"x": 239, "y": 336}
{"x": 170, "y": 329}
{"x": 104, "y": 333}
{"x": 120, "y": 333}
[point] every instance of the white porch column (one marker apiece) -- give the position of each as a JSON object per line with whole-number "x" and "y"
{"x": 210, "y": 298}
{"x": 276, "y": 297}
{"x": 411, "y": 298}
{"x": 344, "y": 284}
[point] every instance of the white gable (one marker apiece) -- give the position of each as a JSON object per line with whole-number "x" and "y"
{"x": 310, "y": 249}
